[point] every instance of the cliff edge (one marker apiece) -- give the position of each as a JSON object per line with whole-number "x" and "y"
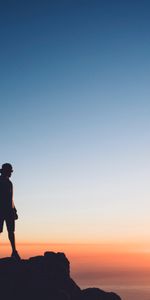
{"x": 44, "y": 277}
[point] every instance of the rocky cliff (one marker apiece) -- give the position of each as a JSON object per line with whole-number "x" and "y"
{"x": 44, "y": 277}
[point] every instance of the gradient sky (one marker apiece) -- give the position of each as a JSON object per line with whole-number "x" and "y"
{"x": 74, "y": 118}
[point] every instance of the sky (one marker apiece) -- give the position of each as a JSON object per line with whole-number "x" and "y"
{"x": 74, "y": 122}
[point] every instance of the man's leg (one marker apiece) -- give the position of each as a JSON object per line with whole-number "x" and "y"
{"x": 11, "y": 237}
{"x": 10, "y": 223}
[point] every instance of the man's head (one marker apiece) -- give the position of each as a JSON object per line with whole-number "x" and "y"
{"x": 6, "y": 170}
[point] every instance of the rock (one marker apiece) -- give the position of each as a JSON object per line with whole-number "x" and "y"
{"x": 97, "y": 294}
{"x": 44, "y": 278}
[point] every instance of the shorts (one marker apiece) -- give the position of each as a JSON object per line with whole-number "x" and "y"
{"x": 10, "y": 223}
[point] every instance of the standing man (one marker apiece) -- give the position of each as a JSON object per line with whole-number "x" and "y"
{"x": 8, "y": 211}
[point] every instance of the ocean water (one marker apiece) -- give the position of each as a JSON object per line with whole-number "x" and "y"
{"x": 125, "y": 273}
{"x": 125, "y": 292}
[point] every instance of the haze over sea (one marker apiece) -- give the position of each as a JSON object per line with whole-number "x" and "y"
{"x": 75, "y": 125}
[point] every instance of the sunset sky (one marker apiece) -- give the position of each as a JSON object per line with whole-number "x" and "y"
{"x": 74, "y": 90}
{"x": 74, "y": 119}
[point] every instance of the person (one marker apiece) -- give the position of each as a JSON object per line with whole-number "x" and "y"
{"x": 8, "y": 212}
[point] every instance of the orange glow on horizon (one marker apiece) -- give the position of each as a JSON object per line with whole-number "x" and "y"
{"x": 90, "y": 255}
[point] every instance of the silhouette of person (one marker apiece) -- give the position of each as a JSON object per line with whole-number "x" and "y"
{"x": 8, "y": 212}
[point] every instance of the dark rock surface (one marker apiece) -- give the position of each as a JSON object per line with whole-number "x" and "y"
{"x": 97, "y": 294}
{"x": 44, "y": 277}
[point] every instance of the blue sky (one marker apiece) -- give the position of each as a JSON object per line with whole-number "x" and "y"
{"x": 74, "y": 90}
